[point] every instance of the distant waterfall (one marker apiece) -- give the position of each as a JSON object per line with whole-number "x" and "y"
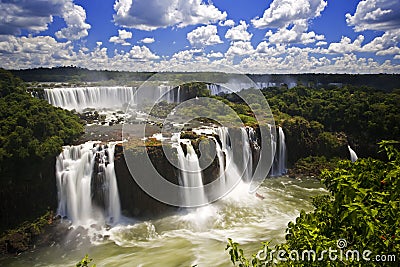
{"x": 191, "y": 174}
{"x": 79, "y": 98}
{"x": 110, "y": 97}
{"x": 353, "y": 155}
{"x": 85, "y": 175}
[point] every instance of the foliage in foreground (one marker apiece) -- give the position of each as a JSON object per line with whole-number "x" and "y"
{"x": 362, "y": 214}
{"x": 85, "y": 262}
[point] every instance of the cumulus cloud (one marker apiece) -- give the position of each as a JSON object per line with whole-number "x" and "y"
{"x": 239, "y": 48}
{"x": 227, "y": 23}
{"x": 380, "y": 15}
{"x": 281, "y": 13}
{"x": 239, "y": 33}
{"x": 291, "y": 18}
{"x": 389, "y": 39}
{"x": 147, "y": 40}
{"x": 75, "y": 17}
{"x": 346, "y": 45}
{"x": 204, "y": 36}
{"x": 142, "y": 53}
{"x": 153, "y": 14}
{"x": 121, "y": 38}
{"x": 35, "y": 16}
{"x": 26, "y": 14}
{"x": 25, "y": 52}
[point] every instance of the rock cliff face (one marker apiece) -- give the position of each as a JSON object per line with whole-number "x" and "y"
{"x": 134, "y": 201}
{"x": 29, "y": 193}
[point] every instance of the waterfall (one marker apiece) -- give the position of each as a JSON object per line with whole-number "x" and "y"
{"x": 282, "y": 152}
{"x": 247, "y": 162}
{"x": 111, "y": 97}
{"x": 79, "y": 98}
{"x": 78, "y": 179}
{"x": 278, "y": 167}
{"x": 353, "y": 155}
{"x": 191, "y": 175}
{"x": 178, "y": 95}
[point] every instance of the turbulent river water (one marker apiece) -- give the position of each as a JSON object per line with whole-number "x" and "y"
{"x": 189, "y": 237}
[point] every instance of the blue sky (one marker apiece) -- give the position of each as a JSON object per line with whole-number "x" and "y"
{"x": 253, "y": 36}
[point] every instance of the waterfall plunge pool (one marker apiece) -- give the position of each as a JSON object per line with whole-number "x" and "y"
{"x": 189, "y": 237}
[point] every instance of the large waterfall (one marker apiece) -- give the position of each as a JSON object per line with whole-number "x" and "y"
{"x": 79, "y": 98}
{"x": 86, "y": 182}
{"x": 278, "y": 153}
{"x": 191, "y": 174}
{"x": 112, "y": 97}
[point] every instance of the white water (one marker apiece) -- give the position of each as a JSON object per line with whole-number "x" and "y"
{"x": 353, "y": 155}
{"x": 74, "y": 172}
{"x": 191, "y": 175}
{"x": 79, "y": 98}
{"x": 247, "y": 160}
{"x": 282, "y": 153}
{"x": 185, "y": 239}
{"x": 107, "y": 97}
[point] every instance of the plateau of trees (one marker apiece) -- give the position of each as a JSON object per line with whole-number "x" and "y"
{"x": 31, "y": 129}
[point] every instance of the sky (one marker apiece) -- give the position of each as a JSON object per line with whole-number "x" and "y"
{"x": 251, "y": 36}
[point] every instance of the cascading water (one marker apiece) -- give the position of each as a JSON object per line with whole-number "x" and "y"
{"x": 191, "y": 174}
{"x": 79, "y": 98}
{"x": 282, "y": 152}
{"x": 278, "y": 167}
{"x": 75, "y": 173}
{"x": 247, "y": 156}
{"x": 111, "y": 97}
{"x": 353, "y": 155}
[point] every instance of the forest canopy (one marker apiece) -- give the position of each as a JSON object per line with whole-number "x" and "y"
{"x": 30, "y": 127}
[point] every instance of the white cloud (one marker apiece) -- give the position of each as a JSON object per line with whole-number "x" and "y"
{"x": 121, "y": 38}
{"x": 291, "y": 18}
{"x": 239, "y": 33}
{"x": 389, "y": 51}
{"x": 204, "y": 36}
{"x": 26, "y": 52}
{"x": 153, "y": 14}
{"x": 142, "y": 53}
{"x": 147, "y": 40}
{"x": 215, "y": 55}
{"x": 227, "y": 23}
{"x": 321, "y": 43}
{"x": 380, "y": 15}
{"x": 75, "y": 17}
{"x": 28, "y": 15}
{"x": 281, "y": 13}
{"x": 297, "y": 34}
{"x": 35, "y": 16}
{"x": 389, "y": 39}
{"x": 187, "y": 55}
{"x": 239, "y": 48}
{"x": 346, "y": 45}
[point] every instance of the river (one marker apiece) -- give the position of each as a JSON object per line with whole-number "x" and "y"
{"x": 189, "y": 237}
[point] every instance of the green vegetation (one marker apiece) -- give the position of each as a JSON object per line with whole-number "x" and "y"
{"x": 23, "y": 237}
{"x": 365, "y": 115}
{"x": 362, "y": 213}
{"x": 31, "y": 129}
{"x": 85, "y": 262}
{"x": 32, "y": 135}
